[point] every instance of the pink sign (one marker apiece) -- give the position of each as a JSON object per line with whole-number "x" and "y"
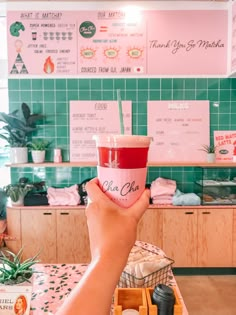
{"x": 88, "y": 118}
{"x": 225, "y": 142}
{"x": 111, "y": 42}
{"x": 79, "y": 42}
{"x": 42, "y": 43}
{"x": 233, "y": 50}
{"x": 179, "y": 129}
{"x": 187, "y": 42}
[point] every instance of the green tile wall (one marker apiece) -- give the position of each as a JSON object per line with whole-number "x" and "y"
{"x": 52, "y": 96}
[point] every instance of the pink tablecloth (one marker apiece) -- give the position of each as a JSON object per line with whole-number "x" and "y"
{"x": 53, "y": 283}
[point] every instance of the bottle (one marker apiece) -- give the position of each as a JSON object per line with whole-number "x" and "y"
{"x": 57, "y": 156}
{"x": 163, "y": 296}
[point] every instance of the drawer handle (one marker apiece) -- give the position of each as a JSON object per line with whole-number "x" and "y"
{"x": 189, "y": 212}
{"x": 206, "y": 212}
{"x": 64, "y": 213}
{"x": 47, "y": 213}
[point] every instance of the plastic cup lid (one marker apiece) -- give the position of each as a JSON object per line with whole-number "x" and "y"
{"x": 130, "y": 311}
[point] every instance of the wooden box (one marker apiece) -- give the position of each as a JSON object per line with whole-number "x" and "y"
{"x": 153, "y": 309}
{"x": 130, "y": 298}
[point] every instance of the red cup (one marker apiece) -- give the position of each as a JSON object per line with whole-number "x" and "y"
{"x": 122, "y": 166}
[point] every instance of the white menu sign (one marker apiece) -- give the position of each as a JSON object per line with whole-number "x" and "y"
{"x": 179, "y": 130}
{"x": 88, "y": 118}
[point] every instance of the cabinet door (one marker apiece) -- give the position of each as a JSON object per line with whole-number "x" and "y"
{"x": 39, "y": 234}
{"x": 14, "y": 229}
{"x": 234, "y": 238}
{"x": 150, "y": 227}
{"x": 180, "y": 236}
{"x": 72, "y": 236}
{"x": 215, "y": 229}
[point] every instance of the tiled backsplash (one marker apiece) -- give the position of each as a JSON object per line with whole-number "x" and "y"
{"x": 51, "y": 97}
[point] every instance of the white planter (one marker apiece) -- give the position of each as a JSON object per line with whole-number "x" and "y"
{"x": 211, "y": 157}
{"x": 12, "y": 297}
{"x": 19, "y": 155}
{"x": 38, "y": 156}
{"x": 19, "y": 202}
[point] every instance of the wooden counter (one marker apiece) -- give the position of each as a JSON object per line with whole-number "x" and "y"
{"x": 192, "y": 236}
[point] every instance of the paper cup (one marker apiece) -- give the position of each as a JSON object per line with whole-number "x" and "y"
{"x": 122, "y": 166}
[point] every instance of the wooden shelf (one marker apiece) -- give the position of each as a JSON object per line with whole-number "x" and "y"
{"x": 151, "y": 164}
{"x": 51, "y": 164}
{"x": 190, "y": 164}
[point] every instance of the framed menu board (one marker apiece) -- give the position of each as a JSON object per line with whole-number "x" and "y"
{"x": 179, "y": 129}
{"x": 94, "y": 117}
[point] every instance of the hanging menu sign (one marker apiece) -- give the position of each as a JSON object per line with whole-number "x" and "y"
{"x": 117, "y": 42}
{"x": 179, "y": 130}
{"x": 88, "y": 118}
{"x": 42, "y": 43}
{"x": 110, "y": 43}
{"x": 187, "y": 42}
{"x": 233, "y": 50}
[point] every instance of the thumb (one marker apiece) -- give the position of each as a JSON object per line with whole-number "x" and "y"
{"x": 140, "y": 205}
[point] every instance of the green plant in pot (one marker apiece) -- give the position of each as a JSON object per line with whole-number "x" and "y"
{"x": 16, "y": 130}
{"x": 14, "y": 270}
{"x": 16, "y": 281}
{"x": 38, "y": 149}
{"x": 17, "y": 192}
{"x": 210, "y": 150}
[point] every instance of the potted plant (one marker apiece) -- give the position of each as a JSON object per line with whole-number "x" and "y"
{"x": 17, "y": 192}
{"x": 16, "y": 282}
{"x": 16, "y": 130}
{"x": 210, "y": 149}
{"x": 38, "y": 149}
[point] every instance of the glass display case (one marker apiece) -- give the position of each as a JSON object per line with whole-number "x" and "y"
{"x": 216, "y": 185}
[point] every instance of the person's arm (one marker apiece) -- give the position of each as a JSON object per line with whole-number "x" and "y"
{"x": 112, "y": 233}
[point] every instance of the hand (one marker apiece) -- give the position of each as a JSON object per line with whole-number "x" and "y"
{"x": 112, "y": 229}
{"x": 112, "y": 233}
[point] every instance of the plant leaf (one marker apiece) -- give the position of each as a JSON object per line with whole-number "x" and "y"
{"x": 26, "y": 111}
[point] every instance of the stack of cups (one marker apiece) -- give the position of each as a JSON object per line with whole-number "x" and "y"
{"x": 122, "y": 166}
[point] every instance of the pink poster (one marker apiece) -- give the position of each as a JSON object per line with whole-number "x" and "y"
{"x": 78, "y": 42}
{"x": 118, "y": 43}
{"x": 233, "y": 50}
{"x": 179, "y": 129}
{"x": 42, "y": 43}
{"x": 109, "y": 42}
{"x": 187, "y": 42}
{"x": 225, "y": 142}
{"x": 88, "y": 118}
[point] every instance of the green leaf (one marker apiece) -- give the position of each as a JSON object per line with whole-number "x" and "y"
{"x": 13, "y": 270}
{"x": 25, "y": 110}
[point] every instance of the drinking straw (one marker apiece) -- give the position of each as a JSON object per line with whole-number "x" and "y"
{"x": 120, "y": 113}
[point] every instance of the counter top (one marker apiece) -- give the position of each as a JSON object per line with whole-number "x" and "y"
{"x": 53, "y": 284}
{"x": 151, "y": 206}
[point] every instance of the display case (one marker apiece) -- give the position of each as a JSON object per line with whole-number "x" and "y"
{"x": 216, "y": 185}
